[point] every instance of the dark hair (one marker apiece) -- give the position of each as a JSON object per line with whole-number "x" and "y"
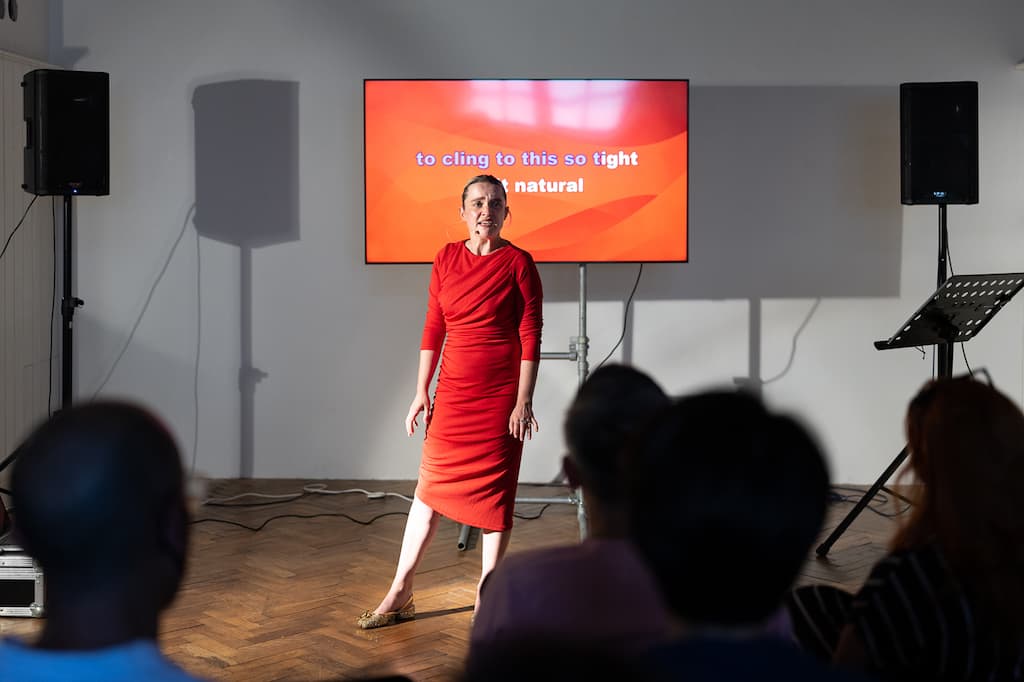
{"x": 91, "y": 488}
{"x": 609, "y": 409}
{"x": 720, "y": 479}
{"x": 966, "y": 442}
{"x": 488, "y": 179}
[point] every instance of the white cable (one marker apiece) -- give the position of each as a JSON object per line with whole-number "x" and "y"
{"x": 219, "y": 500}
{"x": 321, "y": 489}
{"x": 312, "y": 488}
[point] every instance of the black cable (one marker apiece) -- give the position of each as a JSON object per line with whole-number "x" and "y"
{"x": 892, "y": 492}
{"x": 984, "y": 376}
{"x": 306, "y": 494}
{"x": 15, "y": 230}
{"x": 53, "y": 306}
{"x": 535, "y": 516}
{"x": 878, "y": 496}
{"x": 625, "y": 317}
{"x": 879, "y": 500}
{"x": 890, "y": 515}
{"x": 199, "y": 337}
{"x": 230, "y": 505}
{"x": 964, "y": 351}
{"x": 796, "y": 337}
{"x": 145, "y": 306}
{"x": 263, "y": 525}
{"x": 240, "y": 505}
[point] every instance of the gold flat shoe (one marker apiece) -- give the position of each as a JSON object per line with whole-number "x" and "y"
{"x": 370, "y": 620}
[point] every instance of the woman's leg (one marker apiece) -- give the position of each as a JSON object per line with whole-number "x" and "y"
{"x": 420, "y": 528}
{"x": 495, "y": 543}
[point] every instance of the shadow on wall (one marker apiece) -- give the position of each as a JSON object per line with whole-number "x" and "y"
{"x": 794, "y": 193}
{"x": 61, "y": 54}
{"x": 140, "y": 373}
{"x": 247, "y": 195}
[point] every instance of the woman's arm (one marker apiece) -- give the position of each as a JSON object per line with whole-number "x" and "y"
{"x": 522, "y": 423}
{"x": 434, "y": 329}
{"x": 421, "y": 402}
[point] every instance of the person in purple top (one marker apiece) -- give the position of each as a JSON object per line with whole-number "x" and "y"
{"x": 597, "y": 592}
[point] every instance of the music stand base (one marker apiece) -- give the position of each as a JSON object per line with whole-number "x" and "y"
{"x": 824, "y": 547}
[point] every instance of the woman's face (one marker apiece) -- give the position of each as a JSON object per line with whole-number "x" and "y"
{"x": 484, "y": 210}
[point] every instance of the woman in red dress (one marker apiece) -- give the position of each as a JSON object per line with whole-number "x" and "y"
{"x": 484, "y": 307}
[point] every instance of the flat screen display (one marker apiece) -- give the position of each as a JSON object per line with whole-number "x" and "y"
{"x": 595, "y": 170}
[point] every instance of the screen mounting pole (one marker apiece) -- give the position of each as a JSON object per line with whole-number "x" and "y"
{"x": 578, "y": 347}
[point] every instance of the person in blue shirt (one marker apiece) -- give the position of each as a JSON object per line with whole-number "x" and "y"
{"x": 99, "y": 502}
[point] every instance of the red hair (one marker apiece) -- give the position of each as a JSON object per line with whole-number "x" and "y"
{"x": 966, "y": 443}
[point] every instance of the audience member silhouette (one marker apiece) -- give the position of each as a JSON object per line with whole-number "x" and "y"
{"x": 555, "y": 660}
{"x": 947, "y": 602}
{"x": 726, "y": 500}
{"x": 598, "y": 591}
{"x": 99, "y": 502}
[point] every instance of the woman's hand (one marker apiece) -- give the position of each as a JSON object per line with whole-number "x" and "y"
{"x": 421, "y": 403}
{"x": 521, "y": 423}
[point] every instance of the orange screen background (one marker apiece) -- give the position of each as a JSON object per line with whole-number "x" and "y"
{"x": 627, "y": 213}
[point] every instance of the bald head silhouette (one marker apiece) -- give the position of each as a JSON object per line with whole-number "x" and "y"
{"x": 98, "y": 494}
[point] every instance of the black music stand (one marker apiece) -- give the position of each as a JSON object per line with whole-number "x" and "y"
{"x": 955, "y": 313}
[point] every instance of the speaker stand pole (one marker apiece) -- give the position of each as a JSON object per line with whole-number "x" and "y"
{"x": 67, "y": 311}
{"x": 944, "y": 370}
{"x": 943, "y": 351}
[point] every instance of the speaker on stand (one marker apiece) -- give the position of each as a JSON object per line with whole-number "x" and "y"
{"x": 939, "y": 143}
{"x": 67, "y": 152}
{"x": 938, "y": 166}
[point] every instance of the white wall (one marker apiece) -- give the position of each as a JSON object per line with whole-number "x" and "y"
{"x": 28, "y": 35}
{"x": 794, "y": 197}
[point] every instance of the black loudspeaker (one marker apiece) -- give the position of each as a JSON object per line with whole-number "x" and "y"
{"x": 939, "y": 143}
{"x": 67, "y": 125}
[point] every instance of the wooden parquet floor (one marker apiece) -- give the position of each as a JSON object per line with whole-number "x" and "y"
{"x": 280, "y": 603}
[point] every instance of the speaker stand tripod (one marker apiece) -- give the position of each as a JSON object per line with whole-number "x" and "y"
{"x": 68, "y": 304}
{"x": 960, "y": 307}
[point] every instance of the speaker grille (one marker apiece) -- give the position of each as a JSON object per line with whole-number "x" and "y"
{"x": 67, "y": 147}
{"x": 939, "y": 143}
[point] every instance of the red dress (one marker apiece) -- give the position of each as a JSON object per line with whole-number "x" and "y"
{"x": 487, "y": 311}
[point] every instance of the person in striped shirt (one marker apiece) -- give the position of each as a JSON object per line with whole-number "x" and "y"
{"x": 947, "y": 602}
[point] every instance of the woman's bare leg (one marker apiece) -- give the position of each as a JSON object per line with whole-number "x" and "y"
{"x": 420, "y": 528}
{"x": 494, "y": 545}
